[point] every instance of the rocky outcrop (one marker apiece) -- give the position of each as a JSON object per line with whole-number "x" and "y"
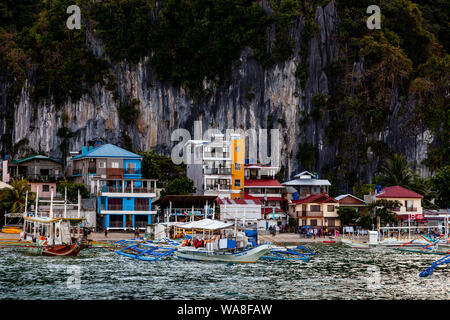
{"x": 255, "y": 98}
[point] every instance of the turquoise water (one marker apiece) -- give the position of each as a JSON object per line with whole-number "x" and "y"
{"x": 336, "y": 272}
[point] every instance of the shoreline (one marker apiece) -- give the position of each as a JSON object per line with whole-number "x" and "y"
{"x": 281, "y": 238}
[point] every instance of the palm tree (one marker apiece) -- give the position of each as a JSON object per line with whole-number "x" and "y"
{"x": 13, "y": 200}
{"x": 398, "y": 172}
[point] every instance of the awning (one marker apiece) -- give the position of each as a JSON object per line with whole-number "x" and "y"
{"x": 206, "y": 224}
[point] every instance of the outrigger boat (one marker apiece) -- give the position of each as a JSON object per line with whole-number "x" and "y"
{"x": 281, "y": 253}
{"x": 147, "y": 250}
{"x": 219, "y": 245}
{"x": 47, "y": 235}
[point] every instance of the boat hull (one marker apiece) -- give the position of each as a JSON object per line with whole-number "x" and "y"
{"x": 246, "y": 256}
{"x": 55, "y": 251}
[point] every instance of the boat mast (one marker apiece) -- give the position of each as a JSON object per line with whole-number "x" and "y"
{"x": 65, "y": 202}
{"x": 37, "y": 201}
{"x": 26, "y": 201}
{"x": 51, "y": 204}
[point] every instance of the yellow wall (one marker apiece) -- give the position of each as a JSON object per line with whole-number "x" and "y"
{"x": 237, "y": 157}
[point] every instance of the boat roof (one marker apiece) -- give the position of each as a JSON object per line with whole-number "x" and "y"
{"x": 54, "y": 219}
{"x": 206, "y": 224}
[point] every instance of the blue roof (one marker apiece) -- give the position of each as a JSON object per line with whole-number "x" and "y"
{"x": 108, "y": 151}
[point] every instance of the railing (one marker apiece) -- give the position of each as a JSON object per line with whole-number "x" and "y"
{"x": 222, "y": 155}
{"x": 92, "y": 171}
{"x": 132, "y": 171}
{"x": 220, "y": 187}
{"x": 127, "y": 190}
{"x": 140, "y": 224}
{"x": 310, "y": 213}
{"x": 115, "y": 207}
{"x": 225, "y": 171}
{"x": 411, "y": 209}
{"x": 40, "y": 177}
{"x": 76, "y": 172}
{"x": 141, "y": 208}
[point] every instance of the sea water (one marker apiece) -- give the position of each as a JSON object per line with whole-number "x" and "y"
{"x": 335, "y": 272}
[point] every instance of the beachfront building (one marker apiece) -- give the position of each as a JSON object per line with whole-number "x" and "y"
{"x": 113, "y": 175}
{"x": 217, "y": 167}
{"x": 351, "y": 201}
{"x": 261, "y": 184}
{"x": 316, "y": 211}
{"x": 42, "y": 173}
{"x": 246, "y": 212}
{"x": 410, "y": 201}
{"x": 185, "y": 208}
{"x": 307, "y": 184}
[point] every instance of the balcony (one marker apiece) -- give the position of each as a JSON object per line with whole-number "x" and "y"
{"x": 114, "y": 173}
{"x": 114, "y": 207}
{"x": 108, "y": 189}
{"x": 221, "y": 155}
{"x": 219, "y": 187}
{"x": 132, "y": 171}
{"x": 220, "y": 171}
{"x": 411, "y": 209}
{"x": 310, "y": 214}
{"x": 41, "y": 178}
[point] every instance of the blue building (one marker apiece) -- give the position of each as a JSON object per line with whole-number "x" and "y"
{"x": 113, "y": 175}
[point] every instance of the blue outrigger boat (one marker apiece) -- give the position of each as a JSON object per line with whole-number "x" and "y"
{"x": 288, "y": 254}
{"x": 428, "y": 271}
{"x": 146, "y": 250}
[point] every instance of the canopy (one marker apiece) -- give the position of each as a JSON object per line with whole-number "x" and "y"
{"x": 206, "y": 224}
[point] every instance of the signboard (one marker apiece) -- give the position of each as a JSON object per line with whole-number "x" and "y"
{"x": 417, "y": 217}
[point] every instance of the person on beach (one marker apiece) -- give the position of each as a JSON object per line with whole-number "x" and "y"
{"x": 136, "y": 232}
{"x": 106, "y": 232}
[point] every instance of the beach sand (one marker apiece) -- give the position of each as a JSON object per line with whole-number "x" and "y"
{"x": 281, "y": 238}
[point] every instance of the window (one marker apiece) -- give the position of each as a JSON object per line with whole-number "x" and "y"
{"x": 237, "y": 182}
{"x": 313, "y": 222}
{"x": 315, "y": 208}
{"x": 408, "y": 203}
{"x": 115, "y": 164}
{"x": 237, "y": 166}
{"x": 45, "y": 188}
{"x": 102, "y": 164}
{"x": 330, "y": 208}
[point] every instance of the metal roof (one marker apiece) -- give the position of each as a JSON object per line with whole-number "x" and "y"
{"x": 35, "y": 157}
{"x": 108, "y": 151}
{"x": 307, "y": 182}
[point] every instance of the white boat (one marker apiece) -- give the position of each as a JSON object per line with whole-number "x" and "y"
{"x": 217, "y": 242}
{"x": 249, "y": 255}
{"x": 357, "y": 244}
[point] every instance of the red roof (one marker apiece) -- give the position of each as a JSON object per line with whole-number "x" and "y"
{"x": 316, "y": 198}
{"x": 238, "y": 201}
{"x": 398, "y": 192}
{"x": 270, "y": 210}
{"x": 262, "y": 183}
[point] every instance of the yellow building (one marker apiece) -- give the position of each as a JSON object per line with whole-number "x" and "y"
{"x": 237, "y": 167}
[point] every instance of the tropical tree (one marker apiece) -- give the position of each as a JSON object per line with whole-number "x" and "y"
{"x": 13, "y": 200}
{"x": 182, "y": 185}
{"x": 383, "y": 209}
{"x": 72, "y": 190}
{"x": 347, "y": 215}
{"x": 396, "y": 172}
{"x": 440, "y": 184}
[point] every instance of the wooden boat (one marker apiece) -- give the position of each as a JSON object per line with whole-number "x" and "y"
{"x": 51, "y": 236}
{"x": 217, "y": 242}
{"x": 249, "y": 255}
{"x": 356, "y": 244}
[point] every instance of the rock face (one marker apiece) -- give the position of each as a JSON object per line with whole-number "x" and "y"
{"x": 256, "y": 98}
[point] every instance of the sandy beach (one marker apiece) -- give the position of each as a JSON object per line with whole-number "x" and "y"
{"x": 281, "y": 238}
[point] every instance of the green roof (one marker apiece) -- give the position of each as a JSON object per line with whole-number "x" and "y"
{"x": 35, "y": 157}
